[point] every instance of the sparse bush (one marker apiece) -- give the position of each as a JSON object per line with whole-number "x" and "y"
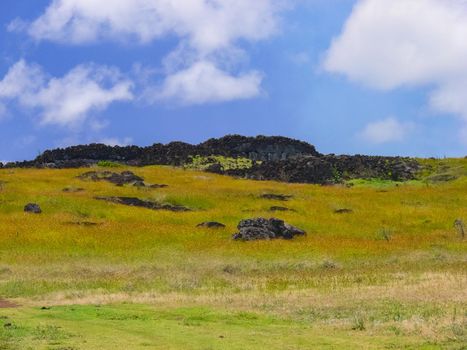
{"x": 329, "y": 265}
{"x": 108, "y": 164}
{"x": 226, "y": 163}
{"x": 460, "y": 226}
{"x": 358, "y": 323}
{"x": 384, "y": 234}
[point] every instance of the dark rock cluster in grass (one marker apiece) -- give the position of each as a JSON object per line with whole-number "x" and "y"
{"x": 265, "y": 229}
{"x": 136, "y": 202}
{"x": 331, "y": 169}
{"x": 119, "y": 179}
{"x": 32, "y": 208}
{"x": 277, "y": 197}
{"x": 126, "y": 177}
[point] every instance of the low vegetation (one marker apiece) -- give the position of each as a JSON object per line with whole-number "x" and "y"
{"x": 226, "y": 163}
{"x": 382, "y": 266}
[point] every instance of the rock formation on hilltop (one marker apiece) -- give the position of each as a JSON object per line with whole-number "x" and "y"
{"x": 260, "y": 148}
{"x": 273, "y": 158}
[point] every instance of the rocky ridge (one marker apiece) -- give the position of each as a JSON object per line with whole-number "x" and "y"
{"x": 273, "y": 158}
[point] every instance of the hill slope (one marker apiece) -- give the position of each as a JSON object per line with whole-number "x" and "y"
{"x": 389, "y": 271}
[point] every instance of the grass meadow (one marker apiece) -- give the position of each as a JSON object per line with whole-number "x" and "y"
{"x": 88, "y": 274}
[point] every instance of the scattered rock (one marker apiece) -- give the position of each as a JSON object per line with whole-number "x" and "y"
{"x": 158, "y": 186}
{"x": 125, "y": 177}
{"x": 32, "y": 208}
{"x": 277, "y": 197}
{"x": 139, "y": 184}
{"x": 277, "y": 208}
{"x": 343, "y": 211}
{"x": 211, "y": 224}
{"x": 73, "y": 189}
{"x": 265, "y": 229}
{"x": 142, "y": 184}
{"x": 82, "y": 223}
{"x": 136, "y": 202}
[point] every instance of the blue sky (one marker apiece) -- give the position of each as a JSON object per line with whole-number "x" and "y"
{"x": 363, "y": 76}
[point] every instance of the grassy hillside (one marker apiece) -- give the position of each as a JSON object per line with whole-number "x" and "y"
{"x": 88, "y": 274}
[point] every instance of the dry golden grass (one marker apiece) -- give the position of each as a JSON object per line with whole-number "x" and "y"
{"x": 395, "y": 264}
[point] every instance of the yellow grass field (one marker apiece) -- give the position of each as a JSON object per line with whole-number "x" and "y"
{"x": 88, "y": 274}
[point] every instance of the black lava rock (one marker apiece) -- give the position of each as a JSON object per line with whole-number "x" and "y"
{"x": 32, "y": 208}
{"x": 211, "y": 224}
{"x": 277, "y": 197}
{"x": 136, "y": 202}
{"x": 266, "y": 229}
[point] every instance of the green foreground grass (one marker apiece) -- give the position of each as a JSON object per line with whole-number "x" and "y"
{"x": 389, "y": 275}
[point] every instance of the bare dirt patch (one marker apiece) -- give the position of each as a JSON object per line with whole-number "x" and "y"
{"x": 5, "y": 304}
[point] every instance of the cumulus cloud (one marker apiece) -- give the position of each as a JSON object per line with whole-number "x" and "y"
{"x": 65, "y": 101}
{"x": 114, "y": 141}
{"x": 397, "y": 43}
{"x": 209, "y": 33}
{"x": 206, "y": 24}
{"x": 386, "y": 130}
{"x": 203, "y": 82}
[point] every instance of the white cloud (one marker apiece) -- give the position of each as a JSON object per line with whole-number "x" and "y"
{"x": 391, "y": 44}
{"x": 386, "y": 130}
{"x": 113, "y": 141}
{"x": 65, "y": 101}
{"x": 206, "y": 24}
{"x": 203, "y": 83}
{"x": 209, "y": 32}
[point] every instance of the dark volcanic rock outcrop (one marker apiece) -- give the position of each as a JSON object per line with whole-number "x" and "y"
{"x": 265, "y": 229}
{"x": 274, "y": 158}
{"x": 136, "y": 202}
{"x": 260, "y": 148}
{"x": 332, "y": 169}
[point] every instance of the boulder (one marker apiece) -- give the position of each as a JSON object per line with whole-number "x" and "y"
{"x": 32, "y": 208}
{"x": 136, "y": 202}
{"x": 343, "y": 211}
{"x": 266, "y": 229}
